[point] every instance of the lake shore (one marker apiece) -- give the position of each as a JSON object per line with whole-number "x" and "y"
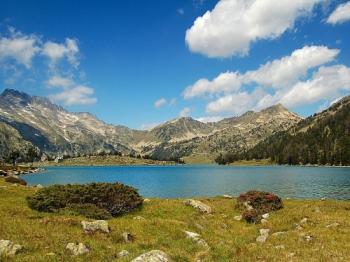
{"x": 160, "y": 224}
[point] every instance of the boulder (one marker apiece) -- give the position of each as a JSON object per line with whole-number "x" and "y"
{"x": 39, "y": 186}
{"x": 304, "y": 220}
{"x": 153, "y": 256}
{"x": 77, "y": 249}
{"x": 280, "y": 233}
{"x": 333, "y": 225}
{"x": 198, "y": 205}
{"x": 3, "y": 173}
{"x": 123, "y": 253}
{"x": 264, "y": 234}
{"x": 97, "y": 225}
{"x": 139, "y": 218}
{"x": 8, "y": 248}
{"x": 227, "y": 196}
{"x": 238, "y": 218}
{"x": 196, "y": 238}
{"x": 127, "y": 237}
{"x": 265, "y": 216}
{"x": 264, "y": 221}
{"x": 146, "y": 200}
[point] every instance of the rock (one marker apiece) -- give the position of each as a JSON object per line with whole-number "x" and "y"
{"x": 77, "y": 249}
{"x": 152, "y": 256}
{"x": 139, "y": 218}
{"x": 333, "y": 225}
{"x": 238, "y": 218}
{"x": 51, "y": 254}
{"x": 198, "y": 205}
{"x": 127, "y": 237}
{"x": 39, "y": 186}
{"x": 248, "y": 206}
{"x": 264, "y": 234}
{"x": 296, "y": 226}
{"x": 123, "y": 253}
{"x": 291, "y": 254}
{"x": 262, "y": 238}
{"x": 146, "y": 200}
{"x": 264, "y": 231}
{"x": 280, "y": 233}
{"x": 280, "y": 247}
{"x": 309, "y": 238}
{"x": 227, "y": 196}
{"x": 97, "y": 225}
{"x": 199, "y": 226}
{"x": 265, "y": 216}
{"x": 323, "y": 198}
{"x": 304, "y": 220}
{"x": 3, "y": 173}
{"x": 8, "y": 248}
{"x": 197, "y": 238}
{"x": 264, "y": 221}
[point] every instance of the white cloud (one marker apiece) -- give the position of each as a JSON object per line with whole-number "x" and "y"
{"x": 284, "y": 80}
{"x": 285, "y": 71}
{"x": 78, "y": 95}
{"x": 233, "y": 25}
{"x": 326, "y": 84}
{"x": 184, "y": 112}
{"x": 209, "y": 119}
{"x": 22, "y": 48}
{"x": 278, "y": 73}
{"x": 340, "y": 15}
{"x": 225, "y": 82}
{"x": 59, "y": 81}
{"x": 56, "y": 52}
{"x": 160, "y": 102}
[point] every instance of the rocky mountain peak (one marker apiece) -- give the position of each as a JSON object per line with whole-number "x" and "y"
{"x": 15, "y": 97}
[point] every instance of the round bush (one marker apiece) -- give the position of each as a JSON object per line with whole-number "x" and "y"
{"x": 262, "y": 202}
{"x": 15, "y": 180}
{"x": 115, "y": 198}
{"x": 86, "y": 210}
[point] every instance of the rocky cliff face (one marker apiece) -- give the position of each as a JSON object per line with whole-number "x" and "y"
{"x": 55, "y": 130}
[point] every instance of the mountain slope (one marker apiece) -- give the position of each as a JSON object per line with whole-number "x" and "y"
{"x": 235, "y": 134}
{"x": 323, "y": 138}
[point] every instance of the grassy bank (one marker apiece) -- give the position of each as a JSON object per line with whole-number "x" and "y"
{"x": 104, "y": 161}
{"x": 163, "y": 226}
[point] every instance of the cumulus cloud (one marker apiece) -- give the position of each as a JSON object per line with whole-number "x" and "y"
{"x": 231, "y": 27}
{"x": 278, "y": 73}
{"x": 185, "y": 112}
{"x": 340, "y": 15}
{"x": 160, "y": 102}
{"x": 22, "y": 48}
{"x": 56, "y": 52}
{"x": 78, "y": 95}
{"x": 285, "y": 80}
{"x": 209, "y": 119}
{"x": 59, "y": 81}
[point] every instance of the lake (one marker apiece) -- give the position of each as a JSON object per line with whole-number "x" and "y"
{"x": 201, "y": 180}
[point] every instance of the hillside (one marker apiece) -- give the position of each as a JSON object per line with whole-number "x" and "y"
{"x": 160, "y": 224}
{"x": 322, "y": 139}
{"x": 55, "y": 131}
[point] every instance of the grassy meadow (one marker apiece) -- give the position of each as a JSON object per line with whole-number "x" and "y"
{"x": 163, "y": 228}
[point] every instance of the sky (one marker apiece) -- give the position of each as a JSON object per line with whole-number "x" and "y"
{"x": 140, "y": 63}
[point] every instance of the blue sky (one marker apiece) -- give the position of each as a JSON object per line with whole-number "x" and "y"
{"x": 116, "y": 59}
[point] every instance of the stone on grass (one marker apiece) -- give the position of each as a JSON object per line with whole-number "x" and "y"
{"x": 296, "y": 226}
{"x": 196, "y": 238}
{"x": 265, "y": 216}
{"x": 8, "y": 248}
{"x": 77, "y": 249}
{"x": 139, "y": 218}
{"x": 304, "y": 220}
{"x": 280, "y": 247}
{"x": 146, "y": 200}
{"x": 39, "y": 186}
{"x": 264, "y": 221}
{"x": 227, "y": 196}
{"x": 264, "y": 234}
{"x": 97, "y": 225}
{"x": 198, "y": 205}
{"x": 309, "y": 238}
{"x": 153, "y": 256}
{"x": 123, "y": 253}
{"x": 127, "y": 237}
{"x": 333, "y": 225}
{"x": 280, "y": 233}
{"x": 238, "y": 218}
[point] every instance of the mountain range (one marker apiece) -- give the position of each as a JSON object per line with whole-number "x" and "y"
{"x": 36, "y": 121}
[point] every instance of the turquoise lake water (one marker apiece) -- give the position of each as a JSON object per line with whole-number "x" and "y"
{"x": 195, "y": 181}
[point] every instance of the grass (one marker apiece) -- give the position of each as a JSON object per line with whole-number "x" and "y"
{"x": 165, "y": 220}
{"x": 110, "y": 160}
{"x": 254, "y": 162}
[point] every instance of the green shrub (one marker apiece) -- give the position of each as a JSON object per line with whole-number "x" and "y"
{"x": 262, "y": 202}
{"x": 86, "y": 210}
{"x": 15, "y": 180}
{"x": 115, "y": 198}
{"x": 251, "y": 216}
